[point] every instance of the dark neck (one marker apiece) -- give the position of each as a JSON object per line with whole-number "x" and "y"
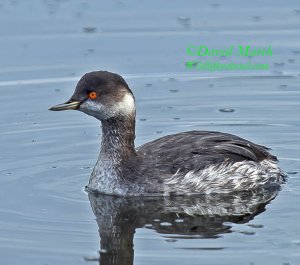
{"x": 118, "y": 136}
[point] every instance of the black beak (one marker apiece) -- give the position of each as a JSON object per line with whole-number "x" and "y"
{"x": 69, "y": 105}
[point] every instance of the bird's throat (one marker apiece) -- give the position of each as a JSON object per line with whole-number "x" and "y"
{"x": 118, "y": 139}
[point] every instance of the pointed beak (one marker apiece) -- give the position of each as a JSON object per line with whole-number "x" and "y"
{"x": 69, "y": 105}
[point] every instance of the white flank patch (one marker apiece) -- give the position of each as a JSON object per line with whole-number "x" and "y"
{"x": 225, "y": 178}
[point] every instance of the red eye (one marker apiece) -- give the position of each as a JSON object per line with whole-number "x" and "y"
{"x": 93, "y": 95}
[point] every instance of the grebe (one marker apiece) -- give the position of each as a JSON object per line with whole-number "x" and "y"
{"x": 191, "y": 162}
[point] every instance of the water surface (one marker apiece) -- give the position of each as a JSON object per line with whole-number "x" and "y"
{"x": 46, "y": 158}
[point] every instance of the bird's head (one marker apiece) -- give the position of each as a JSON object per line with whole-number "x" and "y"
{"x": 103, "y": 95}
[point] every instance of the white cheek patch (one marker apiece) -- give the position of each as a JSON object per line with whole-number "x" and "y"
{"x": 126, "y": 106}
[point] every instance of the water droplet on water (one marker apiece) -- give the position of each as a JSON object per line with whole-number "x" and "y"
{"x": 89, "y": 29}
{"x": 173, "y": 90}
{"x": 279, "y": 73}
{"x": 184, "y": 21}
{"x": 296, "y": 52}
{"x": 172, "y": 79}
{"x": 278, "y": 64}
{"x": 215, "y": 5}
{"x": 256, "y": 18}
{"x": 226, "y": 110}
{"x": 297, "y": 11}
{"x": 90, "y": 50}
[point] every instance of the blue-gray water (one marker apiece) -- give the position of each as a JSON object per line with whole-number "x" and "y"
{"x": 46, "y": 158}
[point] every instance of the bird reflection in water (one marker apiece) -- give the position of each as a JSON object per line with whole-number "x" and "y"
{"x": 206, "y": 216}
